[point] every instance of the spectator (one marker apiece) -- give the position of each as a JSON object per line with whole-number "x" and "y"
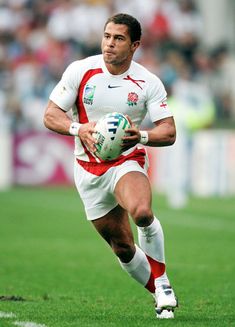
{"x": 39, "y": 38}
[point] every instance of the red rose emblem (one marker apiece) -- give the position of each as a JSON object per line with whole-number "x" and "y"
{"x": 132, "y": 99}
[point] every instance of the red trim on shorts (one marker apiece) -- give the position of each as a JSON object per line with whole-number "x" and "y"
{"x": 100, "y": 168}
{"x": 80, "y": 105}
{"x": 157, "y": 270}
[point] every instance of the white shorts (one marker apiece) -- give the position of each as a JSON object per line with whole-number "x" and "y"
{"x": 97, "y": 192}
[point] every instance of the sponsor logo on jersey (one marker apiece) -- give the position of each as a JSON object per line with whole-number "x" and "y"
{"x": 113, "y": 86}
{"x": 89, "y": 94}
{"x": 132, "y": 99}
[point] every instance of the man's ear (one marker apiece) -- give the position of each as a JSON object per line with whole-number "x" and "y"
{"x": 135, "y": 45}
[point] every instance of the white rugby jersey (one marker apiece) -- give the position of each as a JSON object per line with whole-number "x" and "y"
{"x": 91, "y": 91}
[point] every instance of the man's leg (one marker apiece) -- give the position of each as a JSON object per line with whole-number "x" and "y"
{"x": 115, "y": 229}
{"x": 133, "y": 192}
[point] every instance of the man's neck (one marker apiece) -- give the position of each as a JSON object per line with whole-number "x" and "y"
{"x": 117, "y": 69}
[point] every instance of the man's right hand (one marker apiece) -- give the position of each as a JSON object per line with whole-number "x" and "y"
{"x": 85, "y": 134}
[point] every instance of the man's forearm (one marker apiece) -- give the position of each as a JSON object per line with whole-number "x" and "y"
{"x": 56, "y": 119}
{"x": 162, "y": 135}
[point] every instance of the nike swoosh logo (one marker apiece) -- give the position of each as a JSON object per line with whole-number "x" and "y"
{"x": 113, "y": 86}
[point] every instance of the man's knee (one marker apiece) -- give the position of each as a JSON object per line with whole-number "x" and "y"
{"x": 142, "y": 215}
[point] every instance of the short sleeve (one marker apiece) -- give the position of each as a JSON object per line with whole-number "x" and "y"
{"x": 65, "y": 92}
{"x": 157, "y": 100}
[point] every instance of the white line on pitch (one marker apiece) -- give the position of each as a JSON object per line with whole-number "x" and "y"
{"x": 7, "y": 314}
{"x": 27, "y": 324}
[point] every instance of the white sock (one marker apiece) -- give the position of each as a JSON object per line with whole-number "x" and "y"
{"x": 139, "y": 267}
{"x": 162, "y": 280}
{"x": 151, "y": 241}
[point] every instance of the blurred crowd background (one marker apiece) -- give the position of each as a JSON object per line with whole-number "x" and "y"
{"x": 194, "y": 59}
{"x": 189, "y": 44}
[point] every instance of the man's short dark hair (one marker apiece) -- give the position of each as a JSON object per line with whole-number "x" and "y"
{"x": 131, "y": 22}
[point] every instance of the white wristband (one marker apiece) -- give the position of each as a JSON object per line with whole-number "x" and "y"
{"x": 74, "y": 128}
{"x": 144, "y": 137}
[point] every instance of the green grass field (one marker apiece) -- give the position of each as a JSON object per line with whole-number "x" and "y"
{"x": 56, "y": 271}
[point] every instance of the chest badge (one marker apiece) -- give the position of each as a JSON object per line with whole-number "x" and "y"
{"x": 132, "y": 99}
{"x": 89, "y": 94}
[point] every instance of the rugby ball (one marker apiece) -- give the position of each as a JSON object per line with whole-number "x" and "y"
{"x": 109, "y": 131}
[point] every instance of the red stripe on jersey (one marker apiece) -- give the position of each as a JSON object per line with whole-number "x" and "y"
{"x": 79, "y": 102}
{"x": 99, "y": 169}
{"x": 80, "y": 105}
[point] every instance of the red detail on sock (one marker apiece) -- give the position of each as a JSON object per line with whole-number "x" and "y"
{"x": 157, "y": 270}
{"x": 150, "y": 285}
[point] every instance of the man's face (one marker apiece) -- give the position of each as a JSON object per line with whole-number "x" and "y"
{"x": 116, "y": 45}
